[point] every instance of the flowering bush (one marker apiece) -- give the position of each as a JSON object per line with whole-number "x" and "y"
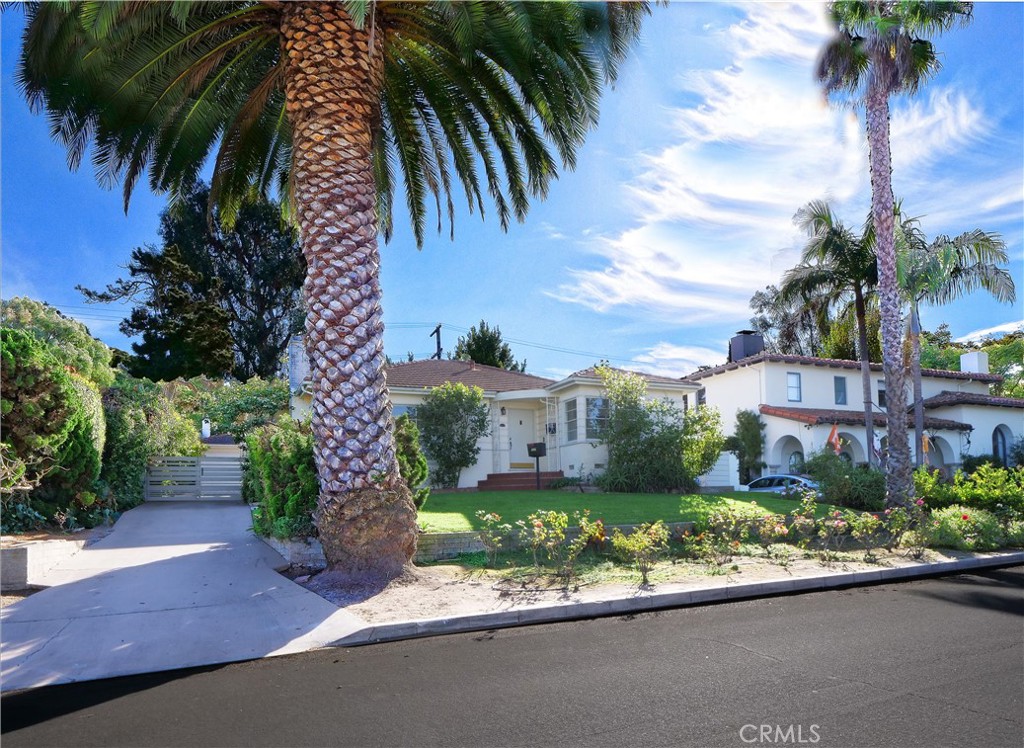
{"x": 833, "y": 531}
{"x": 642, "y": 547}
{"x": 544, "y": 529}
{"x": 965, "y": 528}
{"x": 492, "y": 534}
{"x": 803, "y": 521}
{"x": 865, "y": 528}
{"x": 770, "y": 528}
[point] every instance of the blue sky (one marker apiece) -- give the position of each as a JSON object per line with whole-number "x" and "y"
{"x": 680, "y": 209}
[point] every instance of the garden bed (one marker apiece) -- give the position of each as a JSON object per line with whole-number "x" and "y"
{"x": 454, "y": 589}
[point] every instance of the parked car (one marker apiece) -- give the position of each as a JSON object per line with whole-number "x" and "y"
{"x": 785, "y": 484}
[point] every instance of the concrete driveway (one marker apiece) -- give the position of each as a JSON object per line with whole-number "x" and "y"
{"x": 174, "y": 585}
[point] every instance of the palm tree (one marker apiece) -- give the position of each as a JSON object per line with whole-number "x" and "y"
{"x": 938, "y": 273}
{"x": 879, "y": 50}
{"x": 331, "y": 104}
{"x": 837, "y": 264}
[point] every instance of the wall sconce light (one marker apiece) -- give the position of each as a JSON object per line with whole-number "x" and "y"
{"x": 503, "y": 410}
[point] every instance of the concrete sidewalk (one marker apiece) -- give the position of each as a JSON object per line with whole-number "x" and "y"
{"x": 174, "y": 585}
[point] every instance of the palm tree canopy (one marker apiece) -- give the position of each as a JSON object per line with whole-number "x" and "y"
{"x": 834, "y": 259}
{"x": 870, "y": 31}
{"x": 489, "y": 95}
{"x": 948, "y": 268}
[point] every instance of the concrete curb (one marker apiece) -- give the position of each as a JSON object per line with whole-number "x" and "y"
{"x": 398, "y": 630}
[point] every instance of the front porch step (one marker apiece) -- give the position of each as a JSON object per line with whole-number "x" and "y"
{"x": 524, "y": 481}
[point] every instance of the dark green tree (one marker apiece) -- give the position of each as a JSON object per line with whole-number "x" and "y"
{"x": 411, "y": 462}
{"x": 212, "y": 299}
{"x": 747, "y": 443}
{"x": 484, "y": 345}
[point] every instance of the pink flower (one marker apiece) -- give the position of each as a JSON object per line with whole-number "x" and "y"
{"x": 538, "y": 523}
{"x": 964, "y": 517}
{"x": 919, "y": 502}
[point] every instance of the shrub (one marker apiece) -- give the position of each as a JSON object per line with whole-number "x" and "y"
{"x": 281, "y": 478}
{"x": 995, "y": 489}
{"x": 39, "y": 401}
{"x": 748, "y": 444}
{"x": 651, "y": 446}
{"x": 20, "y": 517}
{"x": 642, "y": 547}
{"x": 411, "y": 463}
{"x": 67, "y": 339}
{"x": 239, "y": 409}
{"x": 964, "y": 528}
{"x": 970, "y": 463}
{"x": 141, "y": 423}
{"x": 842, "y": 484}
{"x": 1014, "y": 534}
{"x": 452, "y": 419}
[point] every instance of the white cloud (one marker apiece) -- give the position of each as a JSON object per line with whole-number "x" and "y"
{"x": 1006, "y": 327}
{"x": 670, "y": 360}
{"x": 711, "y": 210}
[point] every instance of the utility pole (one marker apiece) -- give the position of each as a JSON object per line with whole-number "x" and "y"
{"x": 437, "y": 333}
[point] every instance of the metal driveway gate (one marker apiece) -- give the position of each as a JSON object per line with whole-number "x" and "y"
{"x": 194, "y": 479}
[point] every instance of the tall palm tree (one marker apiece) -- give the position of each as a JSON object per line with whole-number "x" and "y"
{"x": 938, "y": 273}
{"x": 332, "y": 104}
{"x": 879, "y": 50}
{"x": 837, "y": 264}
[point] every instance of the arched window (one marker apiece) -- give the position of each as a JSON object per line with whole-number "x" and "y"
{"x": 796, "y": 463}
{"x": 999, "y": 446}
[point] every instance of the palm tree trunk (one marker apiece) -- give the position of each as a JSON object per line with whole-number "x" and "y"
{"x": 365, "y": 515}
{"x": 915, "y": 373}
{"x": 899, "y": 477}
{"x": 865, "y": 370}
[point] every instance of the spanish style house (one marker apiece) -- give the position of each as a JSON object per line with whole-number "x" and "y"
{"x": 800, "y": 399}
{"x": 566, "y": 415}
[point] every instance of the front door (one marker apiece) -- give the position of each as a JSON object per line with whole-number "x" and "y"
{"x": 520, "y": 433}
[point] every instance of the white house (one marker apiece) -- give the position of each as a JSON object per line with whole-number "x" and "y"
{"x": 565, "y": 415}
{"x": 801, "y": 398}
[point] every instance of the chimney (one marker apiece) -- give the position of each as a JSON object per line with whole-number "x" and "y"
{"x": 975, "y": 362}
{"x": 744, "y": 344}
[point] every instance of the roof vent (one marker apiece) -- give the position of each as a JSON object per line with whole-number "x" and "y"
{"x": 744, "y": 344}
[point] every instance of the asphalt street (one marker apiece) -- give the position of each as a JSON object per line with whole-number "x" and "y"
{"x": 936, "y": 662}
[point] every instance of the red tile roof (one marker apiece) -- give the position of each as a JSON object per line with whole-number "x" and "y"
{"x": 433, "y": 373}
{"x": 834, "y": 363}
{"x": 947, "y": 398}
{"x": 824, "y": 416}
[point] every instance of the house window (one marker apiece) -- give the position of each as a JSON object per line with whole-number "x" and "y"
{"x": 571, "y": 429}
{"x": 840, "y": 387}
{"x": 793, "y": 387}
{"x": 999, "y": 447}
{"x": 796, "y": 463}
{"x": 686, "y": 403}
{"x": 597, "y": 416}
{"x": 881, "y": 393}
{"x": 702, "y": 397}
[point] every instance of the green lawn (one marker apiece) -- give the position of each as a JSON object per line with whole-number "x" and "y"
{"x": 456, "y": 512}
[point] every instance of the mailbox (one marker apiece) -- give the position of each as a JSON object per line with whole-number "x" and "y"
{"x": 537, "y": 449}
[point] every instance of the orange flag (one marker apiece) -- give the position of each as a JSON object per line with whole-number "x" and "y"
{"x": 834, "y": 440}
